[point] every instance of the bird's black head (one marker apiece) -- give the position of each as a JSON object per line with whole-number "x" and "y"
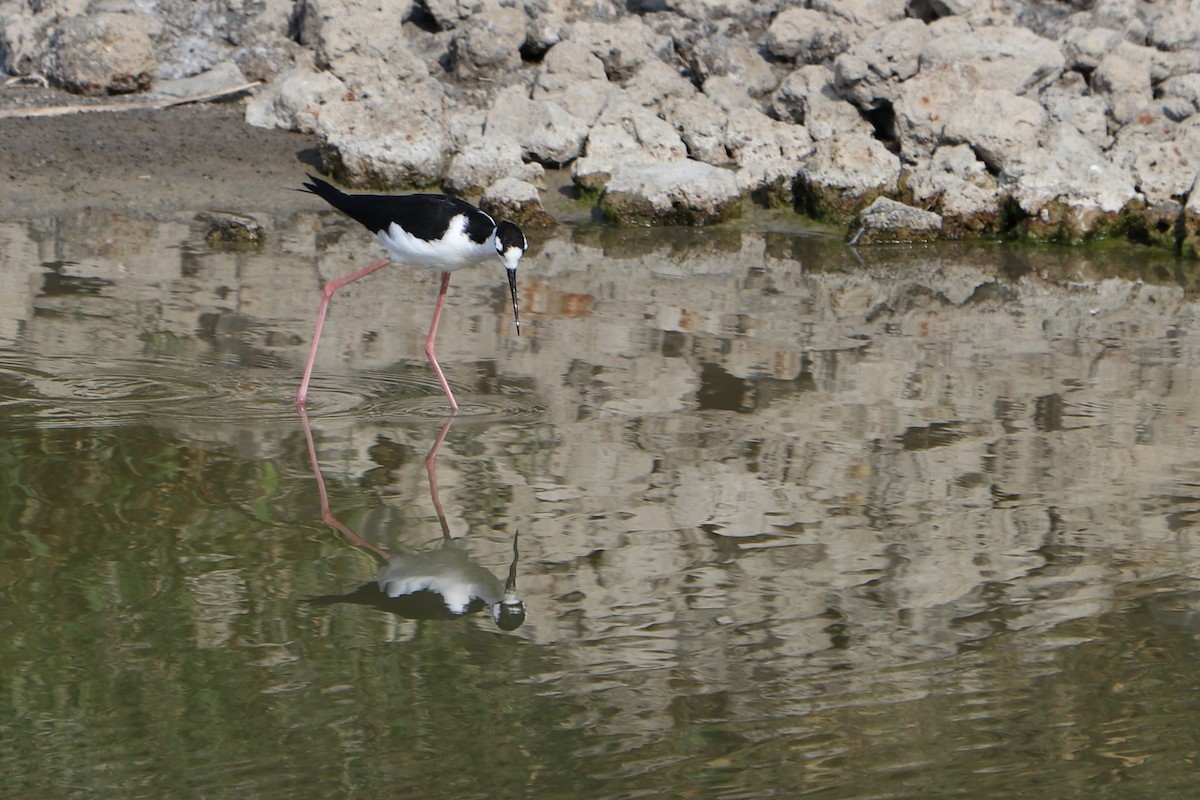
{"x": 509, "y": 614}
{"x": 511, "y": 244}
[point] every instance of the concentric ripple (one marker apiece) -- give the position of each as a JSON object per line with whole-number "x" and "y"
{"x": 69, "y": 391}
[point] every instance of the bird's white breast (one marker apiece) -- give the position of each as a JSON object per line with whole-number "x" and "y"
{"x": 454, "y": 250}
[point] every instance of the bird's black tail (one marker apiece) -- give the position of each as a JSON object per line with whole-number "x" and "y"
{"x": 375, "y": 212}
{"x": 327, "y": 192}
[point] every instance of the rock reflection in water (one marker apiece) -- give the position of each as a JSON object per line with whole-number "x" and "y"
{"x": 867, "y": 526}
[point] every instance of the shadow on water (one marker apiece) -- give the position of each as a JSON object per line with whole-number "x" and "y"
{"x": 910, "y": 521}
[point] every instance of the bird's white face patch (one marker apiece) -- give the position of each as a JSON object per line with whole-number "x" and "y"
{"x": 511, "y": 257}
{"x": 453, "y": 251}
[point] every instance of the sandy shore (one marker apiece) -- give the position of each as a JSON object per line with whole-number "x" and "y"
{"x": 185, "y": 158}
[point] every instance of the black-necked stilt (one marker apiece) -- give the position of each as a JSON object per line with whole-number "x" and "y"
{"x": 431, "y": 231}
{"x": 439, "y": 583}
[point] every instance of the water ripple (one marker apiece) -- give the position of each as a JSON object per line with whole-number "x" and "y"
{"x": 78, "y": 391}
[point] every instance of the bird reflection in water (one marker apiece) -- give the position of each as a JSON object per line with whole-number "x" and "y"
{"x": 442, "y": 583}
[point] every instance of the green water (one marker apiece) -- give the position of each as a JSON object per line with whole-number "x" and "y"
{"x": 792, "y": 522}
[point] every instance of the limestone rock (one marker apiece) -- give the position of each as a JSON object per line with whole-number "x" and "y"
{"x": 802, "y": 34}
{"x": 625, "y": 133}
{"x": 101, "y": 54}
{"x": 295, "y": 101}
{"x": 1164, "y": 157}
{"x": 624, "y": 45}
{"x": 737, "y": 61}
{"x": 336, "y": 28}
{"x": 573, "y": 77}
{"x": 516, "y": 201}
{"x": 449, "y": 14}
{"x": 1123, "y": 80}
{"x": 656, "y": 83}
{"x": 997, "y": 124}
{"x": 376, "y": 144}
{"x": 868, "y": 74}
{"x": 1069, "y": 101}
{"x": 863, "y": 17}
{"x": 1004, "y": 57}
{"x": 679, "y": 192}
{"x": 701, "y": 125}
{"x": 1177, "y": 26}
{"x": 489, "y": 43}
{"x": 808, "y": 97}
{"x": 886, "y": 220}
{"x": 547, "y": 133}
{"x": 1068, "y": 189}
{"x": 926, "y": 101}
{"x": 1190, "y": 223}
{"x": 844, "y": 175}
{"x": 486, "y": 160}
{"x": 957, "y": 185}
{"x": 1181, "y": 96}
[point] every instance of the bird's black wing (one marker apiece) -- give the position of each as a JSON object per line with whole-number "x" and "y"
{"x": 425, "y": 216}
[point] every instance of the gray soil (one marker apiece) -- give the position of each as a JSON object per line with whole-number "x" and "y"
{"x": 147, "y": 163}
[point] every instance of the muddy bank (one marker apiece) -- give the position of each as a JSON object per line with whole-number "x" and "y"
{"x": 147, "y": 162}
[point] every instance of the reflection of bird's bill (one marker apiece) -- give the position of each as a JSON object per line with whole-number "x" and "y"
{"x": 510, "y": 585}
{"x": 509, "y": 613}
{"x": 512, "y": 287}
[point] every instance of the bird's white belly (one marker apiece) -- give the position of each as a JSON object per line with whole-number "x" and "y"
{"x": 454, "y": 250}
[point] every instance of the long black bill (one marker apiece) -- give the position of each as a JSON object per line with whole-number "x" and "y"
{"x": 512, "y": 285}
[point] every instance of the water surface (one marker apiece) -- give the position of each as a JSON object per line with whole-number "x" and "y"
{"x": 791, "y": 520}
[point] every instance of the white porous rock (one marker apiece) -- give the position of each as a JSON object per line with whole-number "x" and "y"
{"x": 1164, "y": 156}
{"x": 807, "y": 96}
{"x": 1004, "y": 57}
{"x": 1123, "y": 81}
{"x": 805, "y": 35}
{"x": 682, "y": 192}
{"x": 295, "y": 100}
{"x": 862, "y": 17}
{"x": 516, "y": 201}
{"x": 103, "y": 53}
{"x": 997, "y": 124}
{"x": 886, "y": 220}
{"x": 1181, "y": 96}
{"x": 573, "y": 77}
{"x": 701, "y": 125}
{"x": 735, "y": 60}
{"x": 624, "y": 45}
{"x": 376, "y": 142}
{"x": 547, "y": 132}
{"x": 957, "y": 185}
{"x": 626, "y": 132}
{"x": 924, "y": 103}
{"x": 336, "y": 28}
{"x": 1069, "y": 101}
{"x": 1177, "y": 26}
{"x": 479, "y": 163}
{"x": 844, "y": 174}
{"x": 1068, "y": 187}
{"x": 656, "y": 83}
{"x": 867, "y": 75}
{"x": 489, "y": 43}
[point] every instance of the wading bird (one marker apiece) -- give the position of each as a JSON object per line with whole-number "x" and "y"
{"x": 430, "y": 231}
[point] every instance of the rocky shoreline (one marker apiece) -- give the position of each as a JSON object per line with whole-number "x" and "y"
{"x": 895, "y": 119}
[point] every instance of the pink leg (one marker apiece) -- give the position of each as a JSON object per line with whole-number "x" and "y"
{"x": 429, "y": 348}
{"x": 327, "y": 292}
{"x": 326, "y": 514}
{"x": 431, "y": 471}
